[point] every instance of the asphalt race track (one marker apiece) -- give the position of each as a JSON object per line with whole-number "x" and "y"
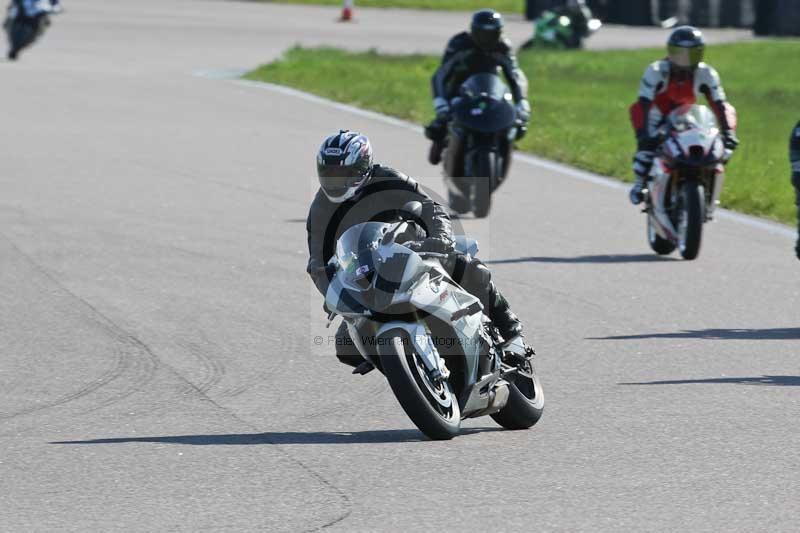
{"x": 158, "y": 363}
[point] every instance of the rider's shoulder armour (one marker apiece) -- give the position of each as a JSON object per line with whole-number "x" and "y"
{"x": 504, "y": 46}
{"x": 655, "y": 78}
{"x": 386, "y": 175}
{"x": 794, "y": 148}
{"x": 706, "y": 80}
{"x": 460, "y": 41}
{"x": 380, "y": 171}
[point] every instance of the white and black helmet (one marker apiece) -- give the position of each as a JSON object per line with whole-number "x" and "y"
{"x": 343, "y": 164}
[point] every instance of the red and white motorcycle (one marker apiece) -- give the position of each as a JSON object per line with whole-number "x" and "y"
{"x": 685, "y": 181}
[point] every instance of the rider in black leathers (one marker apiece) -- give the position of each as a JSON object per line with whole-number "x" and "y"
{"x": 31, "y": 16}
{"x": 794, "y": 157}
{"x": 482, "y": 49}
{"x": 354, "y": 190}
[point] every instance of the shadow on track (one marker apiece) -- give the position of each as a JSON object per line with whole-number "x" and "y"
{"x": 283, "y": 437}
{"x": 777, "y": 381}
{"x": 590, "y": 259}
{"x": 784, "y": 334}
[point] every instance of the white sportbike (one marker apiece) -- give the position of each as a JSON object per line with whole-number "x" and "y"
{"x": 429, "y": 337}
{"x": 685, "y": 181}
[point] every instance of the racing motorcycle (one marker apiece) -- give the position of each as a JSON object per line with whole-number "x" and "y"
{"x": 685, "y": 181}
{"x": 427, "y": 335}
{"x": 563, "y": 28}
{"x": 480, "y": 141}
{"x": 26, "y": 21}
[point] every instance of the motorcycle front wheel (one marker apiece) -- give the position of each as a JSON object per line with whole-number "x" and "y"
{"x": 431, "y": 405}
{"x": 690, "y": 219}
{"x": 484, "y": 172}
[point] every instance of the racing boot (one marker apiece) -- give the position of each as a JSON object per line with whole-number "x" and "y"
{"x": 436, "y": 131}
{"x": 435, "y": 153}
{"x": 346, "y": 350}
{"x": 516, "y": 351}
{"x": 636, "y": 195}
{"x": 642, "y": 163}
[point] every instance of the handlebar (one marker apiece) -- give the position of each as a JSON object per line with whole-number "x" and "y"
{"x": 726, "y": 156}
{"x": 434, "y": 254}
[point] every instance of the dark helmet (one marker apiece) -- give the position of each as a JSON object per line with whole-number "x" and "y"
{"x": 486, "y": 28}
{"x": 686, "y": 47}
{"x": 343, "y": 164}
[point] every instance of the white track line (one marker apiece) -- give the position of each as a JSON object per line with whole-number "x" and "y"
{"x": 233, "y": 76}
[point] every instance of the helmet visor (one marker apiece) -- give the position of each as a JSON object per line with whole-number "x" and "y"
{"x": 336, "y": 180}
{"x": 685, "y": 57}
{"x": 486, "y": 38}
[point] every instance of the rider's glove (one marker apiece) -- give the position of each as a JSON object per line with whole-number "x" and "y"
{"x": 327, "y": 272}
{"x": 730, "y": 140}
{"x": 433, "y": 245}
{"x": 442, "y": 108}
{"x": 523, "y": 111}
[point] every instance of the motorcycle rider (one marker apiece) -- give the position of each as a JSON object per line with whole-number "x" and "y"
{"x": 483, "y": 49}
{"x": 794, "y": 157}
{"x": 30, "y": 12}
{"x": 579, "y": 16}
{"x": 353, "y": 190}
{"x": 676, "y": 80}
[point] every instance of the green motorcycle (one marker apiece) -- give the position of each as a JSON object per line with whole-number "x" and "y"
{"x": 563, "y": 28}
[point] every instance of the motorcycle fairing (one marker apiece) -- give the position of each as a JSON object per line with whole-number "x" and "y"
{"x": 661, "y": 176}
{"x": 484, "y": 104}
{"x": 376, "y": 276}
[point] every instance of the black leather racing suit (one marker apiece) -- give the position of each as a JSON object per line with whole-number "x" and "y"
{"x": 794, "y": 157}
{"x": 380, "y": 201}
{"x": 462, "y": 58}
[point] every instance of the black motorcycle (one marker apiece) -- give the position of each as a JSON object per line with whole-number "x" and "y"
{"x": 23, "y": 29}
{"x": 480, "y": 140}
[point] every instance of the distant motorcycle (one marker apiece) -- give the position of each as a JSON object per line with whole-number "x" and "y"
{"x": 563, "y": 28}
{"x": 428, "y": 336}
{"x": 26, "y": 21}
{"x": 685, "y": 181}
{"x": 480, "y": 142}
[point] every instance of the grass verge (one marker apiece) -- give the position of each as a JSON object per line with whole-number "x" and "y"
{"x": 504, "y": 6}
{"x": 580, "y": 105}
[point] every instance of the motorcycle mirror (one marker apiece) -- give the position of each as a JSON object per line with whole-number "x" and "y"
{"x": 411, "y": 210}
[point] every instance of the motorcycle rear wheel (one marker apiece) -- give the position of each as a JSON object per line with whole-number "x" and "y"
{"x": 458, "y": 203}
{"x": 433, "y": 407}
{"x": 525, "y": 402}
{"x": 658, "y": 244}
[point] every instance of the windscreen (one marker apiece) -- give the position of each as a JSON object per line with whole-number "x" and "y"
{"x": 485, "y": 105}
{"x": 355, "y": 251}
{"x": 371, "y": 271}
{"x": 689, "y": 117}
{"x": 481, "y": 83}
